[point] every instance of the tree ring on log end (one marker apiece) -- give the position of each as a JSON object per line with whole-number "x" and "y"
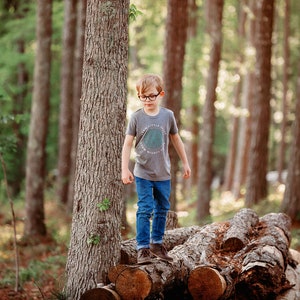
{"x": 206, "y": 283}
{"x": 100, "y": 293}
{"x": 133, "y": 283}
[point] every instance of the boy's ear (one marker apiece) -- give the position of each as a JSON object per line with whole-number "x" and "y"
{"x": 162, "y": 93}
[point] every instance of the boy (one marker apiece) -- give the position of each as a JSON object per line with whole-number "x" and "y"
{"x": 152, "y": 126}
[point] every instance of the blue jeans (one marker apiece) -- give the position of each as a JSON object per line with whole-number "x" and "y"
{"x": 153, "y": 201}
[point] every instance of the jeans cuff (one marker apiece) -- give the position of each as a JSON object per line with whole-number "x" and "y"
{"x": 142, "y": 246}
{"x": 156, "y": 241}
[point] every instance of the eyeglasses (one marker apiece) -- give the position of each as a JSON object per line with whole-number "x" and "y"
{"x": 144, "y": 98}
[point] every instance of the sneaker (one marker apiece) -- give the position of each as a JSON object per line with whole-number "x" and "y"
{"x": 160, "y": 251}
{"x": 143, "y": 256}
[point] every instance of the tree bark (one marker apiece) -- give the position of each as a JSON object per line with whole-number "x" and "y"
{"x": 96, "y": 231}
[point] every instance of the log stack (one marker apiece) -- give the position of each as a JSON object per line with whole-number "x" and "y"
{"x": 246, "y": 257}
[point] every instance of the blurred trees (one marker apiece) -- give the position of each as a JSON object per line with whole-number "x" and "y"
{"x": 214, "y": 14}
{"x": 256, "y": 183}
{"x": 173, "y": 66}
{"x": 36, "y": 147}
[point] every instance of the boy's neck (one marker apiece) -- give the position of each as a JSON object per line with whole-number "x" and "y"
{"x": 151, "y": 112}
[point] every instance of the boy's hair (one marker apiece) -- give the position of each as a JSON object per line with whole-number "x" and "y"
{"x": 147, "y": 81}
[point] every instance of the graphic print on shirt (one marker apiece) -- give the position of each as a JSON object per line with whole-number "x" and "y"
{"x": 153, "y": 139}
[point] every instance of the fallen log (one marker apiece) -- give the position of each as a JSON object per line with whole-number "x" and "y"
{"x": 262, "y": 274}
{"x": 172, "y": 238}
{"x": 163, "y": 276}
{"x": 237, "y": 235}
{"x": 204, "y": 267}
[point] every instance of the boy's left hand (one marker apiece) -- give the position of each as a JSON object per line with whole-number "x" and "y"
{"x": 187, "y": 172}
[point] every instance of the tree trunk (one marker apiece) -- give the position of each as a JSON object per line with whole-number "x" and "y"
{"x": 207, "y": 136}
{"x": 256, "y": 185}
{"x": 285, "y": 106}
{"x": 244, "y": 135}
{"x": 96, "y": 225}
{"x": 176, "y": 31}
{"x": 232, "y": 150}
{"x": 66, "y": 101}
{"x": 36, "y": 154}
{"x": 291, "y": 201}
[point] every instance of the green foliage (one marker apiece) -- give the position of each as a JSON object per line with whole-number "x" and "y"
{"x": 93, "y": 239}
{"x": 134, "y": 12}
{"x": 59, "y": 295}
{"x": 104, "y": 205}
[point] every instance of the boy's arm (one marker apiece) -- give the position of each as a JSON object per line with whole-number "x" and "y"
{"x": 179, "y": 147}
{"x": 127, "y": 176}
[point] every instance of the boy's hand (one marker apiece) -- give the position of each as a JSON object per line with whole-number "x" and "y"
{"x": 187, "y": 171}
{"x": 127, "y": 177}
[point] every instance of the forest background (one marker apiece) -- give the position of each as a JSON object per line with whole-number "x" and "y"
{"x": 243, "y": 145}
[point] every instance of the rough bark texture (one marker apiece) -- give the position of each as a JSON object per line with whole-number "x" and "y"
{"x": 202, "y": 268}
{"x": 96, "y": 233}
{"x": 36, "y": 152}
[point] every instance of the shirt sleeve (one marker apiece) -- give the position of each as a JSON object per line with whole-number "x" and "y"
{"x": 173, "y": 124}
{"x": 131, "y": 127}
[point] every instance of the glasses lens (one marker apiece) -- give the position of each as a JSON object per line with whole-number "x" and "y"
{"x": 142, "y": 98}
{"x": 152, "y": 97}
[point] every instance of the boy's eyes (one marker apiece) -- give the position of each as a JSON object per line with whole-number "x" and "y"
{"x": 151, "y": 97}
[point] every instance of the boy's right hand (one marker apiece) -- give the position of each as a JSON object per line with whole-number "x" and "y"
{"x": 127, "y": 177}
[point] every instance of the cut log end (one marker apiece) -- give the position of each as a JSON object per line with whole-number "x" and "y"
{"x": 206, "y": 283}
{"x": 233, "y": 244}
{"x": 102, "y": 293}
{"x": 133, "y": 283}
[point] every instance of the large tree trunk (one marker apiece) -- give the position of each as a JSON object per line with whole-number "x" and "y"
{"x": 36, "y": 154}
{"x": 96, "y": 225}
{"x": 176, "y": 30}
{"x": 215, "y": 11}
{"x": 256, "y": 185}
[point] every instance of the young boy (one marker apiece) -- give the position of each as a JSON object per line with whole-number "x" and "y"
{"x": 152, "y": 126}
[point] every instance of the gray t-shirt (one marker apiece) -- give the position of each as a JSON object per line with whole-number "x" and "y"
{"x": 152, "y": 141}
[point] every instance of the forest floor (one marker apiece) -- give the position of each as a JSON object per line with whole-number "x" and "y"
{"x": 42, "y": 264}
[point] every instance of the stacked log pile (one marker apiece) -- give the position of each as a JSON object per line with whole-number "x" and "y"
{"x": 246, "y": 257}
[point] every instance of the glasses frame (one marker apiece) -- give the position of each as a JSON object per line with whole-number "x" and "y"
{"x": 149, "y": 97}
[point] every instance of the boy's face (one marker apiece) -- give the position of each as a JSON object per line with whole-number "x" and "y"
{"x": 150, "y": 98}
